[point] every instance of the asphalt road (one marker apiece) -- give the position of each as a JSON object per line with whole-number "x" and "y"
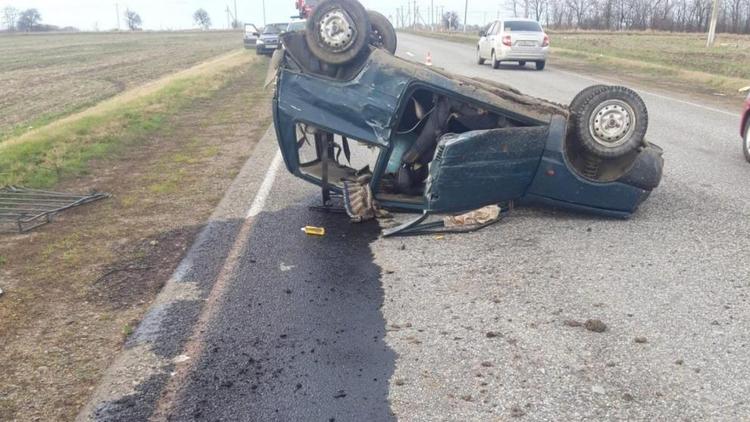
{"x": 472, "y": 327}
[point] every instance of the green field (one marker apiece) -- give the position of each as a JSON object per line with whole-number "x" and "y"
{"x": 46, "y": 76}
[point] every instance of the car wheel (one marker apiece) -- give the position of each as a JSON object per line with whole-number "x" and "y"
{"x": 337, "y": 31}
{"x": 522, "y": 63}
{"x": 746, "y": 141}
{"x": 382, "y": 33}
{"x": 579, "y": 100}
{"x": 495, "y": 62}
{"x": 612, "y": 121}
{"x": 540, "y": 65}
{"x": 480, "y": 60}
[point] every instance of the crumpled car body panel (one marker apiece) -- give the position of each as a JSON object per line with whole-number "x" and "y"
{"x": 527, "y": 165}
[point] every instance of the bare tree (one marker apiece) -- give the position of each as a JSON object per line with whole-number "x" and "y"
{"x": 133, "y": 20}
{"x": 10, "y": 16}
{"x": 201, "y": 18}
{"x": 28, "y": 20}
{"x": 669, "y": 15}
{"x": 451, "y": 20}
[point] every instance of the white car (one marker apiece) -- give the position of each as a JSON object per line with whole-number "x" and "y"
{"x": 514, "y": 40}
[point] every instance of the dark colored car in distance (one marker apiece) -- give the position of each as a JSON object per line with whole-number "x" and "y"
{"x": 745, "y": 126}
{"x": 268, "y": 42}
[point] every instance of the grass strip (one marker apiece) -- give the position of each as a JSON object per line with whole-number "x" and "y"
{"x": 40, "y": 158}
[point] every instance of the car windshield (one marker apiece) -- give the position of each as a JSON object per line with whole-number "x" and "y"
{"x": 518, "y": 26}
{"x": 296, "y": 26}
{"x": 274, "y": 28}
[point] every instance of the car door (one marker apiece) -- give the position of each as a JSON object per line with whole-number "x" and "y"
{"x": 483, "y": 167}
{"x": 486, "y": 42}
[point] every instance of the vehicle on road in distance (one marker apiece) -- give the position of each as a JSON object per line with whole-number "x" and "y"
{"x": 745, "y": 125}
{"x": 387, "y": 133}
{"x": 513, "y": 40}
{"x": 305, "y": 7}
{"x": 268, "y": 42}
{"x": 251, "y": 35}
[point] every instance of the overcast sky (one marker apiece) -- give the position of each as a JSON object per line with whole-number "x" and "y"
{"x": 177, "y": 14}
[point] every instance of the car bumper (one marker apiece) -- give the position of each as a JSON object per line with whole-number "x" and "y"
{"x": 267, "y": 48}
{"x": 528, "y": 54}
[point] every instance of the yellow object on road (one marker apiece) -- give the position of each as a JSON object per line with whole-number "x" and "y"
{"x": 314, "y": 231}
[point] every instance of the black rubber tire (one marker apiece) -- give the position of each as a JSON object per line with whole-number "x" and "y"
{"x": 522, "y": 63}
{"x": 480, "y": 60}
{"x": 578, "y": 101}
{"x": 746, "y": 141}
{"x": 540, "y": 65}
{"x": 360, "y": 22}
{"x": 382, "y": 34}
{"x": 495, "y": 62}
{"x": 589, "y": 103}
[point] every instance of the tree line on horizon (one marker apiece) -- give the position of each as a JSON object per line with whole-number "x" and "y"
{"x": 617, "y": 15}
{"x": 30, "y": 20}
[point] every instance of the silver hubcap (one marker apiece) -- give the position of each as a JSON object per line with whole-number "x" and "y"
{"x": 336, "y": 30}
{"x": 612, "y": 123}
{"x": 747, "y": 140}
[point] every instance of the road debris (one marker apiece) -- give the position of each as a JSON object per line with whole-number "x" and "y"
{"x": 314, "y": 231}
{"x": 517, "y": 412}
{"x": 641, "y": 340}
{"x": 25, "y": 209}
{"x": 480, "y": 217}
{"x": 595, "y": 325}
{"x": 572, "y": 323}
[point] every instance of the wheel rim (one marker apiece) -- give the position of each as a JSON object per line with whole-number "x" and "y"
{"x": 612, "y": 123}
{"x": 337, "y": 31}
{"x": 376, "y": 38}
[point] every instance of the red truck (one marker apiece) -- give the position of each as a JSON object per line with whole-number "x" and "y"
{"x": 305, "y": 7}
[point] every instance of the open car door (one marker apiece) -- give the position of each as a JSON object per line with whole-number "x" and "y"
{"x": 484, "y": 167}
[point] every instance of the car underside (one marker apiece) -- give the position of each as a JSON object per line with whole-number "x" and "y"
{"x": 387, "y": 133}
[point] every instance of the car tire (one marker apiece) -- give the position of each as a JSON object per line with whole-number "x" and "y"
{"x": 382, "y": 33}
{"x": 522, "y": 63}
{"x": 480, "y": 60}
{"x": 338, "y": 49}
{"x": 612, "y": 121}
{"x": 495, "y": 62}
{"x": 746, "y": 141}
{"x": 540, "y": 65}
{"x": 579, "y": 100}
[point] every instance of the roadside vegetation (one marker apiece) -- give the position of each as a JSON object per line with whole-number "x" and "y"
{"x": 670, "y": 60}
{"x": 76, "y": 288}
{"x": 47, "y": 76}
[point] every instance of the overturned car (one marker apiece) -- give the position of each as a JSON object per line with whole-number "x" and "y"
{"x": 387, "y": 133}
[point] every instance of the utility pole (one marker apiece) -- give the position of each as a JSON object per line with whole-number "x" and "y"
{"x": 117, "y": 12}
{"x": 432, "y": 15}
{"x": 236, "y": 19}
{"x": 712, "y": 26}
{"x": 264, "y": 12}
{"x": 466, "y": 13}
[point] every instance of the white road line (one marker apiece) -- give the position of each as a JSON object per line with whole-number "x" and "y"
{"x": 265, "y": 188}
{"x": 663, "y": 97}
{"x": 410, "y": 54}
